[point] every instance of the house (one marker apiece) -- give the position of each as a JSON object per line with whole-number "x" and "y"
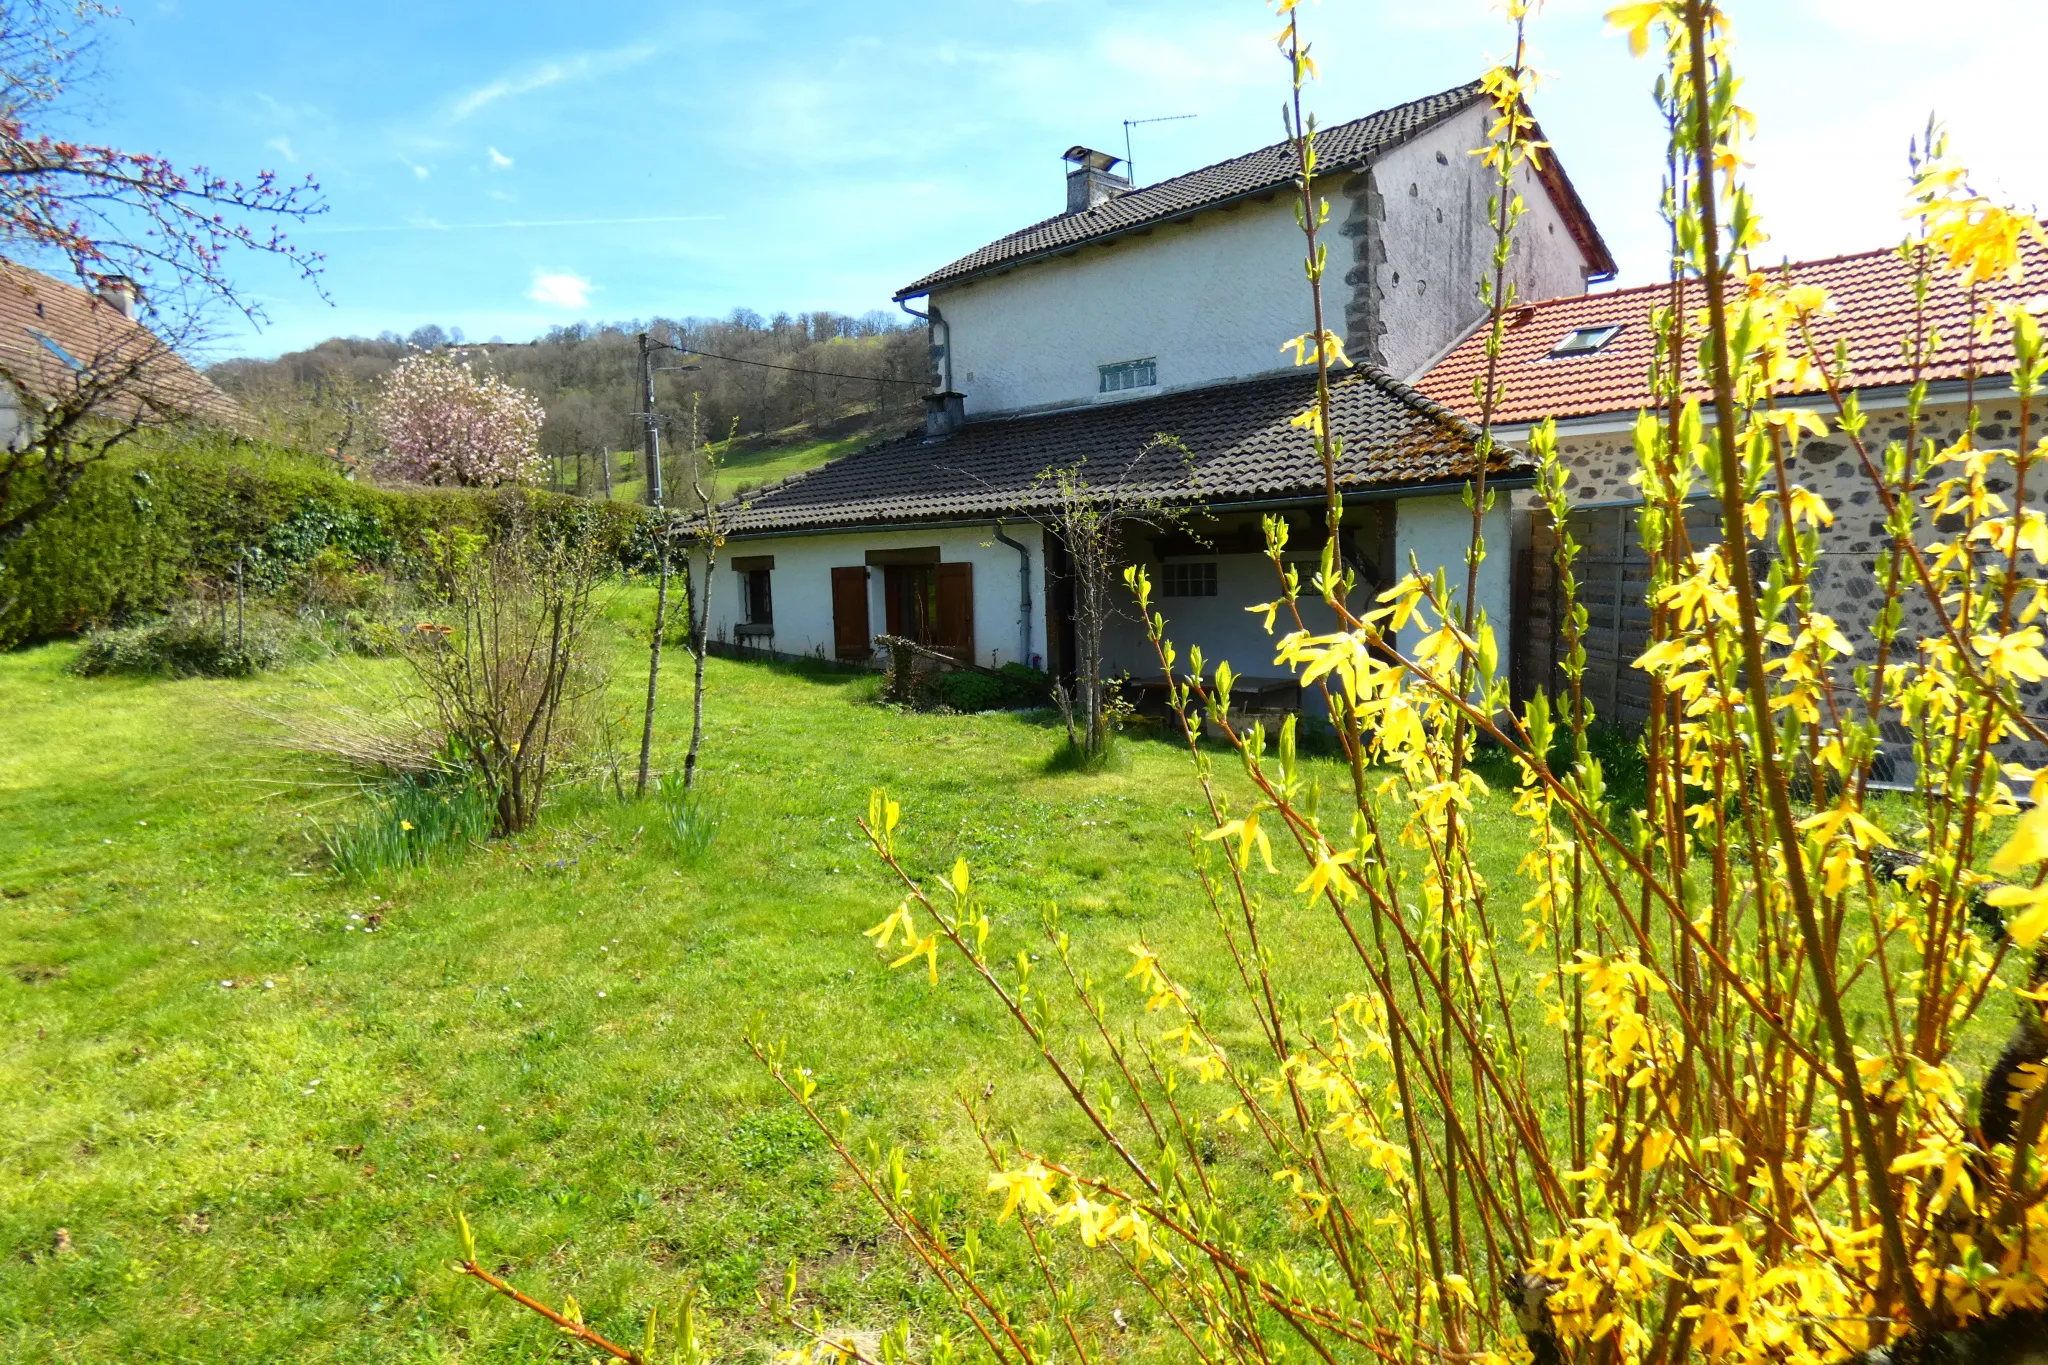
{"x": 1585, "y": 361}
{"x": 64, "y": 349}
{"x": 1140, "y": 312}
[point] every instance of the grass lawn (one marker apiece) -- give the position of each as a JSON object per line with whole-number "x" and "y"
{"x": 252, "y": 1115}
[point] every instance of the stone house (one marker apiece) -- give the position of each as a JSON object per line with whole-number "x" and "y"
{"x": 1585, "y": 362}
{"x": 1141, "y": 312}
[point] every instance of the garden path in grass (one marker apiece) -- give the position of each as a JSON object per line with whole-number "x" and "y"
{"x": 242, "y": 1100}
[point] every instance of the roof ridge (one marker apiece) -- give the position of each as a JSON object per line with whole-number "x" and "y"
{"x": 1147, "y": 205}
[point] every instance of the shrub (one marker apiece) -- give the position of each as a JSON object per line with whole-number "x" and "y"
{"x": 1017, "y": 686}
{"x": 145, "y": 521}
{"x": 189, "y": 643}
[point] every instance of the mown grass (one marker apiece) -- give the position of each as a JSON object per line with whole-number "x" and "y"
{"x": 252, "y": 1093}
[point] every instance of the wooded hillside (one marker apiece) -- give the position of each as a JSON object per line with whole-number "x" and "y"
{"x": 790, "y": 380}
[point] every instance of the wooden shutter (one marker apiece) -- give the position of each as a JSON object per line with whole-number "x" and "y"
{"x": 955, "y": 634}
{"x": 850, "y": 638}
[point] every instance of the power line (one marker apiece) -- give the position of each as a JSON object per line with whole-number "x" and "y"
{"x": 798, "y": 369}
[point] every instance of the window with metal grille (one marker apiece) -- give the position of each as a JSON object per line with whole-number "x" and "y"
{"x": 1190, "y": 580}
{"x": 1585, "y": 340}
{"x": 1130, "y": 374}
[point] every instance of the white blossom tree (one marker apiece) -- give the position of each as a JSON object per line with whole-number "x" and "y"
{"x": 441, "y": 422}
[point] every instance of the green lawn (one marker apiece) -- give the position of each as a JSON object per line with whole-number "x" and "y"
{"x": 253, "y": 1116}
{"x": 747, "y": 469}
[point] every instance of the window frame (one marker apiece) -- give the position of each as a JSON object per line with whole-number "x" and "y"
{"x": 1145, "y": 366}
{"x": 1190, "y": 578}
{"x": 1606, "y": 332}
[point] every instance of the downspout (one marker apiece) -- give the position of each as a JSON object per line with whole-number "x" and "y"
{"x": 1024, "y": 586}
{"x": 936, "y": 319}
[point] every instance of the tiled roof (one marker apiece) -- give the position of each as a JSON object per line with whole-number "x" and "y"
{"x": 1240, "y": 437}
{"x": 103, "y": 348}
{"x": 1872, "y": 298}
{"x": 1346, "y": 146}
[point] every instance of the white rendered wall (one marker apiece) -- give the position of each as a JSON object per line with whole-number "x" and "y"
{"x": 1438, "y": 243}
{"x": 1212, "y": 298}
{"x": 801, "y": 586}
{"x": 1437, "y": 531}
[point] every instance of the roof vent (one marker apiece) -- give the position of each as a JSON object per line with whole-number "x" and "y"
{"x": 1584, "y": 340}
{"x": 1091, "y": 181}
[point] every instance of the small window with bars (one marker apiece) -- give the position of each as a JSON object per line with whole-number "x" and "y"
{"x": 1196, "y": 579}
{"x": 1129, "y": 374}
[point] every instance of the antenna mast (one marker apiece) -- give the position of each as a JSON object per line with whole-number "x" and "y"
{"x": 1129, "y": 166}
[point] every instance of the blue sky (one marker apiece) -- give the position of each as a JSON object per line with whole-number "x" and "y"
{"x": 505, "y": 167}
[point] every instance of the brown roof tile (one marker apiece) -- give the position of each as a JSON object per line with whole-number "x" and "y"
{"x": 1872, "y": 297}
{"x": 1240, "y": 436}
{"x": 1342, "y": 147}
{"x": 56, "y": 338}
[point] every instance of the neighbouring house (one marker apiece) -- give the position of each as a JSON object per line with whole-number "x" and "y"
{"x": 1160, "y": 311}
{"x": 67, "y": 349}
{"x": 1585, "y": 362}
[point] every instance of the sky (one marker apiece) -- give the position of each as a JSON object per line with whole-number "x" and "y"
{"x": 512, "y": 166}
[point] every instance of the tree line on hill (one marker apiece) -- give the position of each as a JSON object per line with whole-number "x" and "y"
{"x": 826, "y": 374}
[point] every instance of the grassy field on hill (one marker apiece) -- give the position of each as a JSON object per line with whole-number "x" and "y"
{"x": 251, "y": 1096}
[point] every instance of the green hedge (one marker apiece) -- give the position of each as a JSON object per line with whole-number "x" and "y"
{"x": 141, "y": 523}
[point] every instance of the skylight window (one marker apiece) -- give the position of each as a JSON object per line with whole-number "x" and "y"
{"x": 71, "y": 362}
{"x": 1129, "y": 374}
{"x": 1585, "y": 340}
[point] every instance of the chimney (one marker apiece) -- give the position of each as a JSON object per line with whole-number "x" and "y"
{"x": 118, "y": 293}
{"x": 1091, "y": 182}
{"x": 945, "y": 412}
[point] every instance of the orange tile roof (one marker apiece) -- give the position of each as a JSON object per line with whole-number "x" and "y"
{"x": 131, "y": 362}
{"x": 1872, "y": 298}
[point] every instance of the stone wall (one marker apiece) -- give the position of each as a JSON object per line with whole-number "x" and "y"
{"x": 1845, "y": 583}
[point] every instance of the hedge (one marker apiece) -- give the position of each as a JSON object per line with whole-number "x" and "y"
{"x": 145, "y": 520}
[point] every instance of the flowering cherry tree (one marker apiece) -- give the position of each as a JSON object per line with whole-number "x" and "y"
{"x": 444, "y": 423}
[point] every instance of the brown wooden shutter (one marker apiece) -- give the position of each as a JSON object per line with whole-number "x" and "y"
{"x": 955, "y": 634}
{"x": 850, "y": 613}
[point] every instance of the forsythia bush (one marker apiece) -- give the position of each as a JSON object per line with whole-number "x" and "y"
{"x": 1712, "y": 1108}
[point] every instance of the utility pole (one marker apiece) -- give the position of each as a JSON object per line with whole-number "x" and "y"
{"x": 653, "y": 430}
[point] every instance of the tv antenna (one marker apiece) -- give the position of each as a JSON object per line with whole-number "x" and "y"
{"x": 1130, "y": 167}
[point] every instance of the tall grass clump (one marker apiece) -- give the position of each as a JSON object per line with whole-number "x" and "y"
{"x": 410, "y": 822}
{"x": 689, "y": 818}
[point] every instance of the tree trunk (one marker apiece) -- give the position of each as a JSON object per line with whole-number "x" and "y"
{"x": 654, "y": 663}
{"x": 700, "y": 614}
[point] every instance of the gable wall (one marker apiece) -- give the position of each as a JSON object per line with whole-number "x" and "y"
{"x": 1212, "y": 298}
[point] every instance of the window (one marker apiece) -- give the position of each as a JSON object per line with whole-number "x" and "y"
{"x": 1130, "y": 374}
{"x": 1190, "y": 580}
{"x": 1585, "y": 340}
{"x": 759, "y": 601}
{"x": 71, "y": 362}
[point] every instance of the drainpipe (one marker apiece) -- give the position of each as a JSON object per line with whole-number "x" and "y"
{"x": 1024, "y": 586}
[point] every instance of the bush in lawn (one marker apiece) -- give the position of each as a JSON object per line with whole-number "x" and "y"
{"x": 1018, "y": 686}
{"x": 507, "y": 669}
{"x": 191, "y": 642}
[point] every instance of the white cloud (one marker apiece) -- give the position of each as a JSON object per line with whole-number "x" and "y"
{"x": 499, "y": 161}
{"x": 560, "y": 291}
{"x": 419, "y": 172}
{"x": 539, "y": 77}
{"x": 283, "y": 147}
